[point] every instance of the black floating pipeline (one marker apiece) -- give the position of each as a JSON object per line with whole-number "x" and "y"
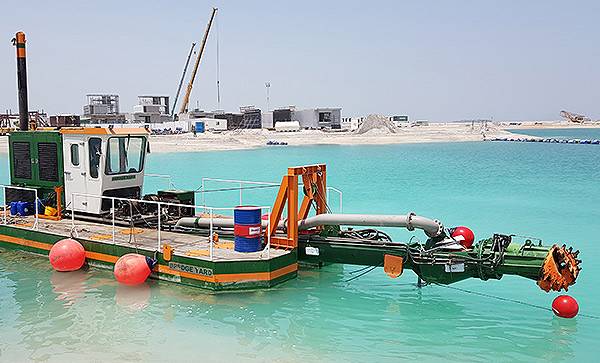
{"x": 547, "y": 140}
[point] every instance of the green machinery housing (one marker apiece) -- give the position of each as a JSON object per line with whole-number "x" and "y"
{"x": 36, "y": 162}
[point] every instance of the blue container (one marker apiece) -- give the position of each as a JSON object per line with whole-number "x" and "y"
{"x": 13, "y": 208}
{"x": 199, "y": 126}
{"x": 242, "y": 244}
{"x": 246, "y": 215}
{"x": 41, "y": 207}
{"x": 24, "y": 208}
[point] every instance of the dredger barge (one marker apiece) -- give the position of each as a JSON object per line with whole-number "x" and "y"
{"x": 87, "y": 184}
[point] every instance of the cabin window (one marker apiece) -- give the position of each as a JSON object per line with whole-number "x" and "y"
{"x": 125, "y": 155}
{"x": 95, "y": 147}
{"x": 75, "y": 154}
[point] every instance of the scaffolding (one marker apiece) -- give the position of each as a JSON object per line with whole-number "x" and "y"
{"x": 101, "y": 104}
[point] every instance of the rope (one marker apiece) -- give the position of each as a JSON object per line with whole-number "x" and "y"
{"x": 364, "y": 273}
{"x": 482, "y": 294}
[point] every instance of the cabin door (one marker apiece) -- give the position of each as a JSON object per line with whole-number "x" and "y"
{"x": 75, "y": 176}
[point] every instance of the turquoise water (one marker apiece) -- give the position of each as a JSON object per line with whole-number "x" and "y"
{"x": 546, "y": 190}
{"x": 578, "y": 133}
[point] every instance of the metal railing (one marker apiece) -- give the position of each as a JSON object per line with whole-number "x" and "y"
{"x": 169, "y": 179}
{"x": 207, "y": 210}
{"x": 7, "y": 208}
{"x": 242, "y": 183}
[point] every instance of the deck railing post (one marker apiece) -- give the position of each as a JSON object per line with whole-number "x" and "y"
{"x": 112, "y": 208}
{"x": 269, "y": 234}
{"x": 72, "y": 211}
{"x": 159, "y": 220}
{"x": 241, "y": 192}
{"x": 210, "y": 236}
{"x": 5, "y": 204}
{"x": 35, "y": 224}
{"x": 203, "y": 196}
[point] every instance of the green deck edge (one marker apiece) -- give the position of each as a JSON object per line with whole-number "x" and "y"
{"x": 217, "y": 267}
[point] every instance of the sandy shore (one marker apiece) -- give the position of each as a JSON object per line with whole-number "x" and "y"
{"x": 246, "y": 139}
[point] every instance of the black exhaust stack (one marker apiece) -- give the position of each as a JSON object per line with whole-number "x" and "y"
{"x": 19, "y": 42}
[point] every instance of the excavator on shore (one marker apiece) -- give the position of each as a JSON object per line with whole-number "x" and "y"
{"x": 574, "y": 117}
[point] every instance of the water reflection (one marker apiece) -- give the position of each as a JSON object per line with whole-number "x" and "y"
{"x": 133, "y": 298}
{"x": 69, "y": 286}
{"x": 316, "y": 317}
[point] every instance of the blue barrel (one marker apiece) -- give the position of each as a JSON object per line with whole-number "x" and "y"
{"x": 247, "y": 229}
{"x": 242, "y": 244}
{"x": 246, "y": 215}
{"x": 200, "y": 126}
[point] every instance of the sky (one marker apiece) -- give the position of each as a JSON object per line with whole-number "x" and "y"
{"x": 435, "y": 60}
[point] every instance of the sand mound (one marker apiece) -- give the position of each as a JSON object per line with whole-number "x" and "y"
{"x": 377, "y": 124}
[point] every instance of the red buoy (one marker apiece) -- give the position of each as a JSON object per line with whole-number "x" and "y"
{"x": 67, "y": 255}
{"x": 464, "y": 236}
{"x": 565, "y": 306}
{"x": 133, "y": 269}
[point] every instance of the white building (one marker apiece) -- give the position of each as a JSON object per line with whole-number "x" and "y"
{"x": 351, "y": 123}
{"x": 319, "y": 118}
{"x": 151, "y": 109}
{"x": 400, "y": 121}
{"x": 211, "y": 124}
{"x": 267, "y": 120}
{"x": 287, "y": 126}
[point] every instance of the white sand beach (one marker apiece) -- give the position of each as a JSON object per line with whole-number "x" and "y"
{"x": 246, "y": 139}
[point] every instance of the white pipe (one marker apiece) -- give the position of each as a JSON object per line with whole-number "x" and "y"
{"x": 431, "y": 227}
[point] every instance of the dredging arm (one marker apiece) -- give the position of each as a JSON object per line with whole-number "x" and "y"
{"x": 447, "y": 256}
{"x": 440, "y": 260}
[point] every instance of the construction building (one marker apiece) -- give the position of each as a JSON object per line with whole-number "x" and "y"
{"x": 65, "y": 120}
{"x": 400, "y": 120}
{"x": 10, "y": 121}
{"x": 283, "y": 114}
{"x": 351, "y": 123}
{"x": 319, "y": 118}
{"x": 251, "y": 117}
{"x": 266, "y": 121}
{"x": 234, "y": 120}
{"x": 151, "y": 109}
{"x": 102, "y": 109}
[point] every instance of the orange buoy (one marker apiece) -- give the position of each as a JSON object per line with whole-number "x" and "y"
{"x": 133, "y": 269}
{"x": 67, "y": 255}
{"x": 565, "y": 306}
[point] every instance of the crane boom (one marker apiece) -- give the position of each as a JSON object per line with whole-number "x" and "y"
{"x": 186, "y": 97}
{"x": 187, "y": 62}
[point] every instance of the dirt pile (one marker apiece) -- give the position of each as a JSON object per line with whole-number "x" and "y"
{"x": 377, "y": 124}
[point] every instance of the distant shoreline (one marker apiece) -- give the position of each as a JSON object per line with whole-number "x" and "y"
{"x": 250, "y": 139}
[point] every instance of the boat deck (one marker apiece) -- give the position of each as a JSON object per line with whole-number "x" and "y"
{"x": 184, "y": 244}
